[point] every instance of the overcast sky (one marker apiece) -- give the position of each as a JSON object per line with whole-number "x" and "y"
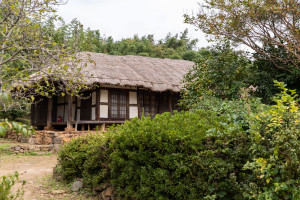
{"x": 125, "y": 18}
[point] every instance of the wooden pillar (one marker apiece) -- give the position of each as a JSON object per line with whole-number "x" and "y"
{"x": 103, "y": 127}
{"x": 98, "y": 104}
{"x": 69, "y": 110}
{"x": 33, "y": 113}
{"x": 170, "y": 102}
{"x": 49, "y": 114}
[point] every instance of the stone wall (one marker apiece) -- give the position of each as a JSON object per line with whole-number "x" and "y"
{"x": 25, "y": 148}
{"x": 44, "y": 137}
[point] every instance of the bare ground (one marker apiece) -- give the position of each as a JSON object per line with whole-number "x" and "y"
{"x": 36, "y": 171}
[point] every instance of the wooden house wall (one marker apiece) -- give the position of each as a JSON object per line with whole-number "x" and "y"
{"x": 106, "y": 104}
{"x": 39, "y": 112}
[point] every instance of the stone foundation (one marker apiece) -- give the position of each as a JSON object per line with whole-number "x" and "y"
{"x": 19, "y": 149}
{"x": 54, "y": 139}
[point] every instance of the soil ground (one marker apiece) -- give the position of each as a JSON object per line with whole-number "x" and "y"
{"x": 36, "y": 170}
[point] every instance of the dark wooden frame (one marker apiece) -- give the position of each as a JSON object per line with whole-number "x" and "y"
{"x": 109, "y": 103}
{"x": 168, "y": 106}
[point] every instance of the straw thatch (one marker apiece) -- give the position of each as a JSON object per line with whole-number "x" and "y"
{"x": 155, "y": 74}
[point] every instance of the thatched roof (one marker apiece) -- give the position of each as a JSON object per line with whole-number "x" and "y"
{"x": 155, "y": 74}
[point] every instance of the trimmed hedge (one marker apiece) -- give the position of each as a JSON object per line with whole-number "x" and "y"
{"x": 183, "y": 156}
{"x": 188, "y": 155}
{"x": 195, "y": 155}
{"x": 85, "y": 157}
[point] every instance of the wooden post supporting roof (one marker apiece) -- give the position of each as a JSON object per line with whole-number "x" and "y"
{"x": 170, "y": 102}
{"x": 69, "y": 110}
{"x": 49, "y": 114}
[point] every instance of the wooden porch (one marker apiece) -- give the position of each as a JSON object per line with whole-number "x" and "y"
{"x": 104, "y": 106}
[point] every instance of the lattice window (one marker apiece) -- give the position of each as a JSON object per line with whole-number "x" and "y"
{"x": 147, "y": 104}
{"x": 114, "y": 105}
{"x": 123, "y": 105}
{"x": 118, "y": 105}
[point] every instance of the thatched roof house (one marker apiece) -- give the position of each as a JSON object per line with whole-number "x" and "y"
{"x": 129, "y": 87}
{"x": 156, "y": 74}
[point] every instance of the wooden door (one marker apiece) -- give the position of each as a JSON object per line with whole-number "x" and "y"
{"x": 86, "y": 109}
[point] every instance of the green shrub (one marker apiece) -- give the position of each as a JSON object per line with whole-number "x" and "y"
{"x": 85, "y": 157}
{"x": 6, "y": 183}
{"x": 276, "y": 150}
{"x": 189, "y": 155}
{"x": 18, "y": 127}
{"x": 219, "y": 152}
{"x": 239, "y": 112}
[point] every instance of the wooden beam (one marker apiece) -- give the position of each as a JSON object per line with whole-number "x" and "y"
{"x": 69, "y": 111}
{"x": 49, "y": 114}
{"x": 170, "y": 102}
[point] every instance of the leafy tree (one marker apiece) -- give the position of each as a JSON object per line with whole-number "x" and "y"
{"x": 263, "y": 72}
{"x": 219, "y": 72}
{"x": 255, "y": 23}
{"x": 75, "y": 35}
{"x": 27, "y": 48}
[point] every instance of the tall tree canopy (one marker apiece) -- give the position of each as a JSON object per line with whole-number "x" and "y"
{"x": 220, "y": 72}
{"x": 257, "y": 24}
{"x": 178, "y": 46}
{"x": 26, "y": 47}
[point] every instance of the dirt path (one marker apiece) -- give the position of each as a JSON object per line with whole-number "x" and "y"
{"x": 37, "y": 171}
{"x": 31, "y": 170}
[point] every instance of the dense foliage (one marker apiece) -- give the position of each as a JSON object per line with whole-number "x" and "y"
{"x": 12, "y": 119}
{"x": 163, "y": 158}
{"x": 256, "y": 24}
{"x": 86, "y": 157}
{"x": 185, "y": 156}
{"x": 276, "y": 149}
{"x": 178, "y": 46}
{"x": 26, "y": 48}
{"x": 220, "y": 72}
{"x": 264, "y": 72}
{"x": 238, "y": 149}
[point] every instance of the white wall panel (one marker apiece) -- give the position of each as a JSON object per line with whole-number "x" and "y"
{"x": 132, "y": 98}
{"x": 93, "y": 113}
{"x": 133, "y": 112}
{"x": 104, "y": 96}
{"x": 103, "y": 111}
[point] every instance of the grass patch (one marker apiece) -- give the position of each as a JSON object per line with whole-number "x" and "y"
{"x": 49, "y": 185}
{"x": 5, "y": 149}
{"x": 5, "y": 145}
{"x": 36, "y": 154}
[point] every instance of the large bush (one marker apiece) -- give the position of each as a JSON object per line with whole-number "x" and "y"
{"x": 86, "y": 157}
{"x": 187, "y": 155}
{"x": 184, "y": 156}
{"x": 220, "y": 154}
{"x": 276, "y": 150}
